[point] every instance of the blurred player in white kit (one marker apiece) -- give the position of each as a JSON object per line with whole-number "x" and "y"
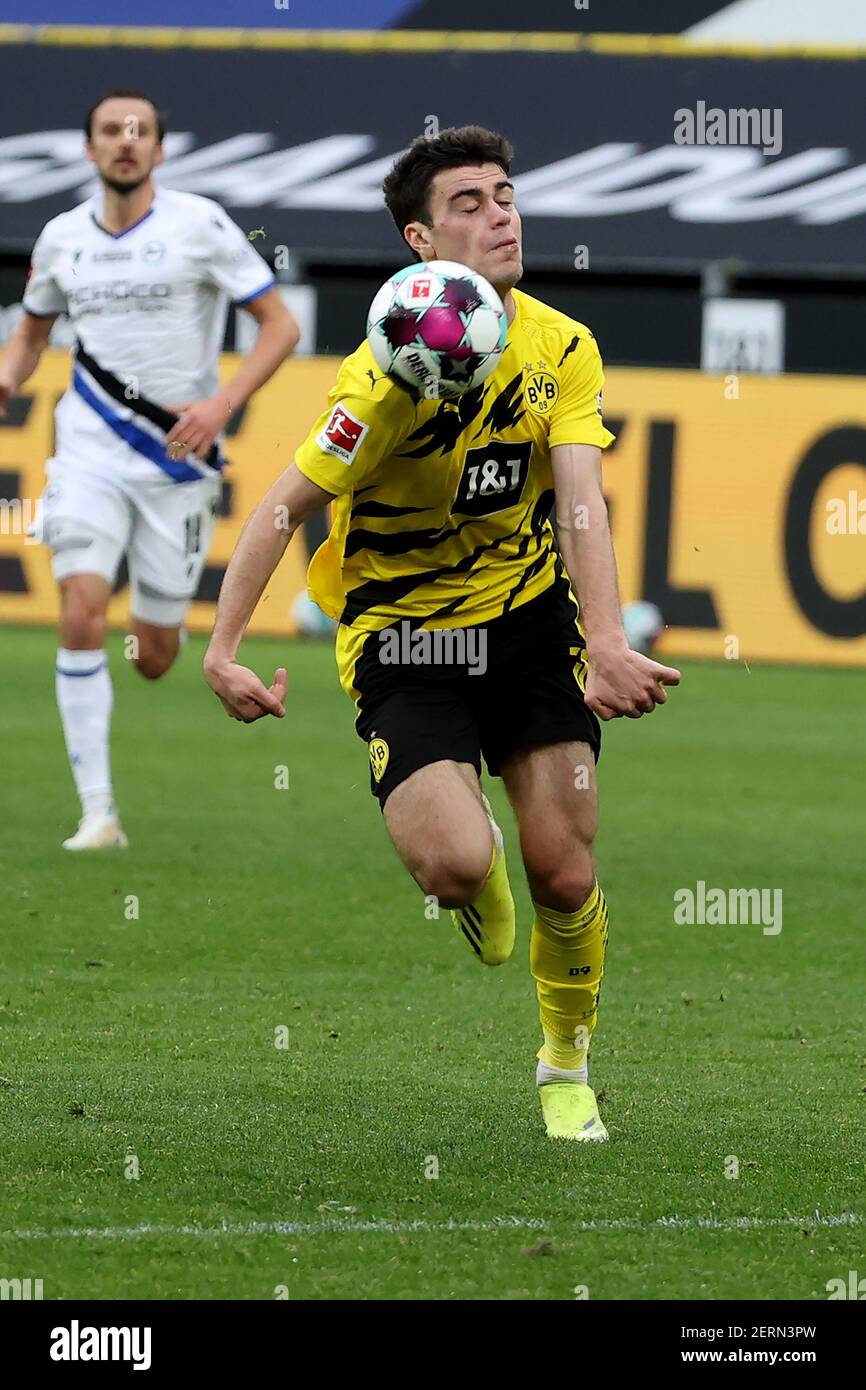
{"x": 146, "y": 275}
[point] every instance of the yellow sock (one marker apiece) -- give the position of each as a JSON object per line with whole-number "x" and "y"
{"x": 488, "y": 924}
{"x": 566, "y": 955}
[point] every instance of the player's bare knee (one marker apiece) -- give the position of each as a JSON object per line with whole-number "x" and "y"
{"x": 452, "y": 881}
{"x": 153, "y": 659}
{"x": 150, "y": 665}
{"x": 564, "y": 887}
{"x": 153, "y": 664}
{"x": 452, "y": 890}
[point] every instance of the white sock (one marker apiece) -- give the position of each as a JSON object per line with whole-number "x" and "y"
{"x": 544, "y": 1074}
{"x": 85, "y": 698}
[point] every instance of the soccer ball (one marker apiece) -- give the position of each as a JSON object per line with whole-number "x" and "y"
{"x": 438, "y": 327}
{"x": 643, "y": 625}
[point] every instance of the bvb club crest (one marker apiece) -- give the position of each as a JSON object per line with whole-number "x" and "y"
{"x": 379, "y": 752}
{"x": 540, "y": 392}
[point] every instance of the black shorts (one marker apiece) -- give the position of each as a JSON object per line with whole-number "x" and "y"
{"x": 504, "y": 685}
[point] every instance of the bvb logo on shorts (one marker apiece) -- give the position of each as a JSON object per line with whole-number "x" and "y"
{"x": 540, "y": 392}
{"x": 379, "y": 752}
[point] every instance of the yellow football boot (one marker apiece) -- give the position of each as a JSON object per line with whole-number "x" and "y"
{"x": 570, "y": 1111}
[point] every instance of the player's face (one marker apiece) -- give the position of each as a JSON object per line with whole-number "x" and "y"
{"x": 473, "y": 220}
{"x": 124, "y": 142}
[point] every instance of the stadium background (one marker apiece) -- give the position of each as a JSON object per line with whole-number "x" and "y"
{"x": 703, "y": 269}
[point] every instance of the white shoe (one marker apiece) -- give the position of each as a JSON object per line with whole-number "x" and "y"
{"x": 101, "y": 830}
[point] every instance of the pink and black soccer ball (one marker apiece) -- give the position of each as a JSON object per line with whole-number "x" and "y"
{"x": 438, "y": 327}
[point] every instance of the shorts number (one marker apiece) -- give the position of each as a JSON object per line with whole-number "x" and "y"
{"x": 192, "y": 533}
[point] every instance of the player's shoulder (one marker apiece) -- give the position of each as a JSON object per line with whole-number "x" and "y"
{"x": 192, "y": 207}
{"x": 70, "y": 224}
{"x": 360, "y": 378}
{"x": 555, "y": 331}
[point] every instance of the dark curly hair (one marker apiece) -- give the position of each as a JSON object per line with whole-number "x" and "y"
{"x": 407, "y": 186}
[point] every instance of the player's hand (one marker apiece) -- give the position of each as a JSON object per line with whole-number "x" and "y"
{"x": 243, "y": 695}
{"x": 199, "y": 424}
{"x": 6, "y": 394}
{"x": 623, "y": 682}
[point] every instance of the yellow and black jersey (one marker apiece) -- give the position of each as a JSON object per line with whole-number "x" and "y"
{"x": 442, "y": 506}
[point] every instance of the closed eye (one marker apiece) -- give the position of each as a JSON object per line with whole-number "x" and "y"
{"x": 500, "y": 202}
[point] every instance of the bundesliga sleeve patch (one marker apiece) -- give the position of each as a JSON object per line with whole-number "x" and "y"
{"x": 342, "y": 435}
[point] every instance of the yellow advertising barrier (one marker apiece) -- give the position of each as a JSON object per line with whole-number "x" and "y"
{"x": 738, "y": 505}
{"x": 268, "y": 431}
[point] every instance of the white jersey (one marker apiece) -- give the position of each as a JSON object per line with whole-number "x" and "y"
{"x": 149, "y": 307}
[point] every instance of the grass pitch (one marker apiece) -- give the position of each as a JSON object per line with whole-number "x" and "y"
{"x": 160, "y": 1141}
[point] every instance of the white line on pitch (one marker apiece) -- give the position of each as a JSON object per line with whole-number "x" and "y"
{"x": 815, "y": 1221}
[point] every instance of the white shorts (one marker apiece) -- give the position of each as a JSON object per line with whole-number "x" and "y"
{"x": 91, "y": 520}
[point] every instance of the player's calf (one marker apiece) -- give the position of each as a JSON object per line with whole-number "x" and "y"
{"x": 444, "y": 832}
{"x": 155, "y": 649}
{"x": 488, "y": 922}
{"x": 440, "y": 830}
{"x": 567, "y": 948}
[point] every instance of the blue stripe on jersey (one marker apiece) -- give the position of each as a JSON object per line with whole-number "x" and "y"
{"x": 115, "y": 236}
{"x": 92, "y": 672}
{"x": 255, "y": 294}
{"x": 137, "y": 438}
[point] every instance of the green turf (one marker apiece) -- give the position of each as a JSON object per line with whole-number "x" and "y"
{"x": 262, "y": 908}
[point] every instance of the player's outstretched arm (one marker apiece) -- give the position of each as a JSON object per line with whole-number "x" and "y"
{"x": 260, "y": 547}
{"x": 26, "y": 344}
{"x": 620, "y": 681}
{"x": 201, "y": 421}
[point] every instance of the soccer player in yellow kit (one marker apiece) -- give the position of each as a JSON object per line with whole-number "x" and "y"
{"x": 441, "y": 525}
